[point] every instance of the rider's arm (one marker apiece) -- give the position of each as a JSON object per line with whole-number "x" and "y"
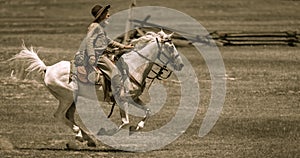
{"x": 118, "y": 45}
{"x": 115, "y": 44}
{"x": 96, "y": 42}
{"x": 90, "y": 38}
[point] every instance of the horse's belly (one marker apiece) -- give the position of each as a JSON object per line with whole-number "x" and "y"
{"x": 90, "y": 91}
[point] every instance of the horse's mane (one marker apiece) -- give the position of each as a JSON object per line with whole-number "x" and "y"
{"x": 141, "y": 42}
{"x": 150, "y": 36}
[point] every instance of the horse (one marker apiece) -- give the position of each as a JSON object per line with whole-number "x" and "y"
{"x": 149, "y": 49}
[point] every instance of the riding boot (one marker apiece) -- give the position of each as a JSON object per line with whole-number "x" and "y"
{"x": 116, "y": 85}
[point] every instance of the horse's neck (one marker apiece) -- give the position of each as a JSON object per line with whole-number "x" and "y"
{"x": 140, "y": 62}
{"x": 148, "y": 53}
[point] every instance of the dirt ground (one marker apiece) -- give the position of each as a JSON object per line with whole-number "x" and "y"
{"x": 260, "y": 116}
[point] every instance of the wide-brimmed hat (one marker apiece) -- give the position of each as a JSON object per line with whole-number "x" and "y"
{"x": 98, "y": 11}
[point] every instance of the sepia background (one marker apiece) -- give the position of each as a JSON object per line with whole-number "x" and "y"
{"x": 260, "y": 116}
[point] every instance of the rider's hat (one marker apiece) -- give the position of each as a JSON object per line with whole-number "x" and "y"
{"x": 99, "y": 12}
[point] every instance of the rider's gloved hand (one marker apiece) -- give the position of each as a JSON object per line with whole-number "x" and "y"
{"x": 92, "y": 60}
{"x": 130, "y": 46}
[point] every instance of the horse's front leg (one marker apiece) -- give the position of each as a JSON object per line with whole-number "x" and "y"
{"x": 124, "y": 115}
{"x": 125, "y": 118}
{"x": 139, "y": 103}
{"x": 141, "y": 124}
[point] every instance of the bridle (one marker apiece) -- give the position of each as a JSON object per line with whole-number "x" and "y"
{"x": 162, "y": 67}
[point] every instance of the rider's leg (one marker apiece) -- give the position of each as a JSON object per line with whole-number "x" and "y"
{"x": 121, "y": 98}
{"x": 117, "y": 85}
{"x": 106, "y": 66}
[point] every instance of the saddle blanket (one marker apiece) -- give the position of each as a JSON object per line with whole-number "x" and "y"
{"x": 80, "y": 73}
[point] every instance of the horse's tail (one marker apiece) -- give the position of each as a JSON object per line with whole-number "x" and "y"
{"x": 31, "y": 57}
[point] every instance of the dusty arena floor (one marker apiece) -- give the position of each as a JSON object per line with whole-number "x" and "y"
{"x": 260, "y": 116}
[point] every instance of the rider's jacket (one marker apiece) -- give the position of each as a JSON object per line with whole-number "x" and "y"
{"x": 97, "y": 41}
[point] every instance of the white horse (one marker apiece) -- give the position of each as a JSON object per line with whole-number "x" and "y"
{"x": 152, "y": 48}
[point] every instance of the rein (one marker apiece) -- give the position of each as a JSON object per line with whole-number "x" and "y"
{"x": 158, "y": 75}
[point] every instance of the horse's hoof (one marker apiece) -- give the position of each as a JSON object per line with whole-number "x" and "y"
{"x": 72, "y": 146}
{"x": 80, "y": 139}
{"x": 132, "y": 130}
{"x": 91, "y": 144}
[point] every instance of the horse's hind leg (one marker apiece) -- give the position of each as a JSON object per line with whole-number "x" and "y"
{"x": 62, "y": 113}
{"x": 81, "y": 134}
{"x": 70, "y": 115}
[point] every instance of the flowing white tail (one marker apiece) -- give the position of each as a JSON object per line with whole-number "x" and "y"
{"x": 31, "y": 57}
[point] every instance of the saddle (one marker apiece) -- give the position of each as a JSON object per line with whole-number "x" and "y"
{"x": 80, "y": 74}
{"x": 83, "y": 75}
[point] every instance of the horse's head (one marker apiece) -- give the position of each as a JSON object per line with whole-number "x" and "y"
{"x": 168, "y": 53}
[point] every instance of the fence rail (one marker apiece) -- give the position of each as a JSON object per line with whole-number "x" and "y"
{"x": 256, "y": 38}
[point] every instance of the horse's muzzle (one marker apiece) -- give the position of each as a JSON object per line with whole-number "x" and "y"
{"x": 179, "y": 67}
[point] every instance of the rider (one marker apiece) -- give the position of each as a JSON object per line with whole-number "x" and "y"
{"x": 95, "y": 43}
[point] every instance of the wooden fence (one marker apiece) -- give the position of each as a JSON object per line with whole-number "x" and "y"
{"x": 256, "y": 38}
{"x": 289, "y": 38}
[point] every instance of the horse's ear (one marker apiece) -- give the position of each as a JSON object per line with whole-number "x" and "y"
{"x": 161, "y": 30}
{"x": 171, "y": 34}
{"x": 161, "y": 33}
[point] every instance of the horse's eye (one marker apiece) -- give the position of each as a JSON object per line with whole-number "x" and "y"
{"x": 167, "y": 40}
{"x": 171, "y": 48}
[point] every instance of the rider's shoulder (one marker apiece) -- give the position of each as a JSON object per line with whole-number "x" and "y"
{"x": 93, "y": 26}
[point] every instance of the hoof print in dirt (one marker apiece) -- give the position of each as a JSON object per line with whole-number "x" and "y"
{"x": 72, "y": 146}
{"x": 80, "y": 139}
{"x": 91, "y": 144}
